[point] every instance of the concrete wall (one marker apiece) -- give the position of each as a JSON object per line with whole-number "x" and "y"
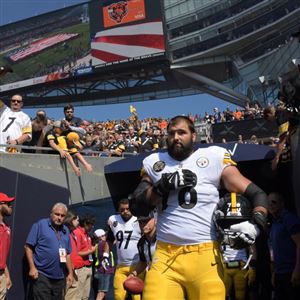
{"x": 52, "y": 169}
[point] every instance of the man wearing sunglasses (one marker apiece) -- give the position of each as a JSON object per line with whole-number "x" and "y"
{"x": 5, "y": 210}
{"x": 15, "y": 125}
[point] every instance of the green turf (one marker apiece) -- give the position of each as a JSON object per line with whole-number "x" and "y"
{"x": 29, "y": 66}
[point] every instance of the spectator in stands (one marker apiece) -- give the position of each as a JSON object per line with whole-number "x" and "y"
{"x": 217, "y": 115}
{"x": 282, "y": 162}
{"x": 240, "y": 139}
{"x": 258, "y": 111}
{"x": 237, "y": 115}
{"x": 15, "y": 125}
{"x": 249, "y": 112}
{"x": 38, "y": 134}
{"x": 207, "y": 117}
{"x": 253, "y": 140}
{"x": 116, "y": 146}
{"x": 89, "y": 148}
{"x": 148, "y": 141}
{"x": 67, "y": 147}
{"x": 71, "y": 128}
{"x": 228, "y": 115}
{"x": 69, "y": 116}
{"x": 41, "y": 115}
{"x": 73, "y": 146}
{"x": 285, "y": 247}
{"x": 133, "y": 141}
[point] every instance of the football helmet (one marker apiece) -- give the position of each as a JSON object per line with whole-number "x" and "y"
{"x": 232, "y": 209}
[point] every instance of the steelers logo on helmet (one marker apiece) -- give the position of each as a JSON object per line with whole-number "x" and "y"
{"x": 202, "y": 162}
{"x": 159, "y": 166}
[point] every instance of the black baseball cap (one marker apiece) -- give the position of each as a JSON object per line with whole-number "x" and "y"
{"x": 146, "y": 218}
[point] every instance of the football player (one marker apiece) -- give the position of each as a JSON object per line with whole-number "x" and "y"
{"x": 125, "y": 232}
{"x": 184, "y": 184}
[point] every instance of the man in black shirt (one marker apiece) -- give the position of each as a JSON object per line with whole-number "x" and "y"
{"x": 146, "y": 244}
{"x": 69, "y": 116}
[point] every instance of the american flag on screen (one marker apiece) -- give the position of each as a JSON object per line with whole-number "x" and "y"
{"x": 41, "y": 45}
{"x": 123, "y": 43}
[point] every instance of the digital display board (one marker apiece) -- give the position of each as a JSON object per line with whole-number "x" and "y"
{"x": 125, "y": 30}
{"x": 77, "y": 40}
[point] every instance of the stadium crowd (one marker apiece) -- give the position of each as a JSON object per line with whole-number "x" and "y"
{"x": 132, "y": 135}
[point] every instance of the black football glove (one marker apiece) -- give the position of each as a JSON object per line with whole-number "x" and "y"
{"x": 173, "y": 181}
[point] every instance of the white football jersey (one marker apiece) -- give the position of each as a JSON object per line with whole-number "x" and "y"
{"x": 188, "y": 217}
{"x": 13, "y": 125}
{"x": 127, "y": 235}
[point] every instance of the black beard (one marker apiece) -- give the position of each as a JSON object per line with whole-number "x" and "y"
{"x": 180, "y": 153}
{"x": 126, "y": 218}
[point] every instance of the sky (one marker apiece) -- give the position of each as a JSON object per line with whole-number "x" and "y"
{"x": 15, "y": 10}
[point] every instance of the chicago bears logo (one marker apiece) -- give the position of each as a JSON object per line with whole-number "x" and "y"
{"x": 117, "y": 11}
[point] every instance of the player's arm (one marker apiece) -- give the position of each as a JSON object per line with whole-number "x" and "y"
{"x": 110, "y": 240}
{"x": 144, "y": 198}
{"x": 139, "y": 268}
{"x": 247, "y": 231}
{"x": 234, "y": 181}
{"x": 147, "y": 195}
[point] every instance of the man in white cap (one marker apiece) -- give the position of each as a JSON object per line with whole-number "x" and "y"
{"x": 5, "y": 210}
{"x": 105, "y": 265}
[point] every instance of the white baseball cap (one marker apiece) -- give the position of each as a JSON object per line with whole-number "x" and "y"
{"x": 100, "y": 232}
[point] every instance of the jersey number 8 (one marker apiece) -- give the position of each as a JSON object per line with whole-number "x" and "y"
{"x": 187, "y": 197}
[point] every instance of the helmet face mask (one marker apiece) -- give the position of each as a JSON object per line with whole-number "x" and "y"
{"x": 232, "y": 209}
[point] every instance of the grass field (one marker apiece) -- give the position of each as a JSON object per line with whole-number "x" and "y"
{"x": 31, "y": 65}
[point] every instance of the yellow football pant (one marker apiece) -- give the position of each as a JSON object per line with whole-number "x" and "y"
{"x": 121, "y": 274}
{"x": 191, "y": 272}
{"x": 236, "y": 278}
